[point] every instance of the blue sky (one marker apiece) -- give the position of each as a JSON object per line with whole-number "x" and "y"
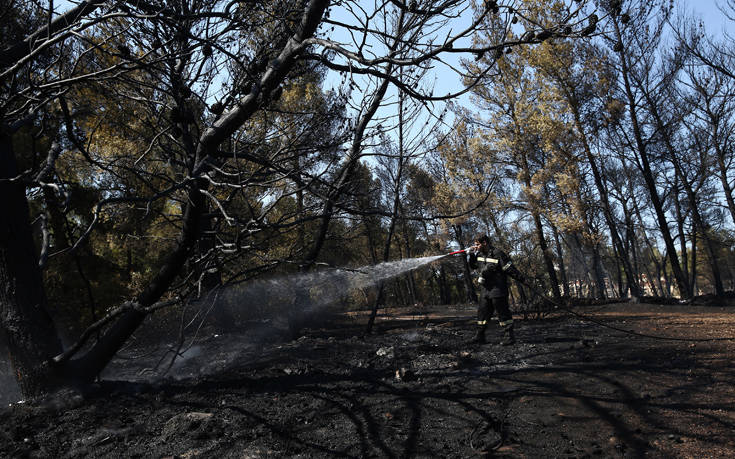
{"x": 714, "y": 21}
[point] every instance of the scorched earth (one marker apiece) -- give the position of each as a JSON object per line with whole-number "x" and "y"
{"x": 413, "y": 388}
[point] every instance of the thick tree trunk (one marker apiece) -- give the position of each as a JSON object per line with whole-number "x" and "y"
{"x": 548, "y": 259}
{"x": 32, "y": 338}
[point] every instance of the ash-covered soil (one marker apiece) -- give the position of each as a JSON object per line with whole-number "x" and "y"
{"x": 414, "y": 388}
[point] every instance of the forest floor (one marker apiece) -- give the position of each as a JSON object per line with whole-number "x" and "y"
{"x": 415, "y": 388}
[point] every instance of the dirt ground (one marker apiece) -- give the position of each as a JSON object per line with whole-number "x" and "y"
{"x": 415, "y": 388}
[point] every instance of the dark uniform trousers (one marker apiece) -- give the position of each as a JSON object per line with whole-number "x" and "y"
{"x": 489, "y": 305}
{"x": 493, "y": 296}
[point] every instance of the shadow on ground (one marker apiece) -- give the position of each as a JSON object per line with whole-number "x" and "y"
{"x": 569, "y": 388}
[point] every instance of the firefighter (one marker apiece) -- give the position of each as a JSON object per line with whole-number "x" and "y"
{"x": 494, "y": 267}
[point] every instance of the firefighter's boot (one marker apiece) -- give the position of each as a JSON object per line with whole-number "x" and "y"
{"x": 509, "y": 337}
{"x": 479, "y": 336}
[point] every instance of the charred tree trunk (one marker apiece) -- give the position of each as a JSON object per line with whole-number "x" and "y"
{"x": 699, "y": 221}
{"x": 597, "y": 268}
{"x": 606, "y": 206}
{"x": 548, "y": 258}
{"x": 681, "y": 281}
{"x": 30, "y": 332}
{"x": 33, "y": 342}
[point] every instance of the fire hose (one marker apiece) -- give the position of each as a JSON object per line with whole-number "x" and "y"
{"x": 559, "y": 305}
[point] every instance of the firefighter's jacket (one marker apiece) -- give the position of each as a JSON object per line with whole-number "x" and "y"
{"x": 493, "y": 267}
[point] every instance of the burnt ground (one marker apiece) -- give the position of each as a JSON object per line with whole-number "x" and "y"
{"x": 569, "y": 388}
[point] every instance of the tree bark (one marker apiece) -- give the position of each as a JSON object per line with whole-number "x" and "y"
{"x": 681, "y": 281}
{"x": 606, "y": 207}
{"x": 31, "y": 336}
{"x": 597, "y": 268}
{"x": 694, "y": 239}
{"x": 699, "y": 221}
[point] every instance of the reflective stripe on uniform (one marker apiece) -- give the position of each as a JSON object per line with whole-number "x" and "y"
{"x": 482, "y": 322}
{"x": 505, "y": 322}
{"x": 488, "y": 260}
{"x": 508, "y": 265}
